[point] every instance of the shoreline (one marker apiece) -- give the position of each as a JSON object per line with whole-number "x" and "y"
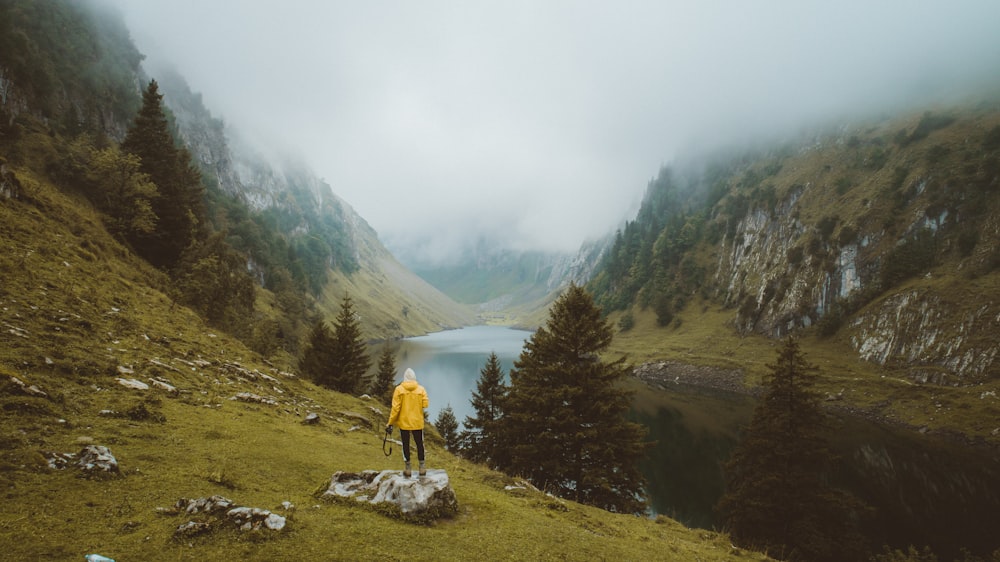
{"x": 663, "y": 375}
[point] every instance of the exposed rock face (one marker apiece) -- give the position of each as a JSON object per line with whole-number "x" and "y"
{"x": 421, "y": 498}
{"x": 781, "y": 273}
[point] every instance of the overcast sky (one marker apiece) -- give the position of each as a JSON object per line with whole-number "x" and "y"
{"x": 542, "y": 120}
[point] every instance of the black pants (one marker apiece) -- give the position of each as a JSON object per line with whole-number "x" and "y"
{"x": 418, "y": 437}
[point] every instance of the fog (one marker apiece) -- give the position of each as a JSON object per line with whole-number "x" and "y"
{"x": 538, "y": 124}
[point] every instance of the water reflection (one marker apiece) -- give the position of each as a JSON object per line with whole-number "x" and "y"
{"x": 924, "y": 491}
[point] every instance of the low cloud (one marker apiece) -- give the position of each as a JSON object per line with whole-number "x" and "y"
{"x": 539, "y": 124}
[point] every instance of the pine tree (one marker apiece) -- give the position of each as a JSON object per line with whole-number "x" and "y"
{"x": 563, "y": 423}
{"x": 777, "y": 497}
{"x": 124, "y": 192}
{"x": 479, "y": 438}
{"x": 178, "y": 205}
{"x": 382, "y": 386}
{"x": 350, "y": 352}
{"x": 447, "y": 426}
{"x": 317, "y": 358}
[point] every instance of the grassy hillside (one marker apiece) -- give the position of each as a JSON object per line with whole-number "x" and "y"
{"x": 875, "y": 242}
{"x": 78, "y": 312}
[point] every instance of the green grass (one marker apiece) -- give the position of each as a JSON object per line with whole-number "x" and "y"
{"x": 701, "y": 336}
{"x": 75, "y": 306}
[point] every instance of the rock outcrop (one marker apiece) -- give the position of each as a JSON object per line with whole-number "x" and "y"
{"x": 418, "y": 498}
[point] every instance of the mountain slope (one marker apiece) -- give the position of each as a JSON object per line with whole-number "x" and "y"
{"x": 392, "y": 301}
{"x": 876, "y": 241}
{"x": 79, "y": 314}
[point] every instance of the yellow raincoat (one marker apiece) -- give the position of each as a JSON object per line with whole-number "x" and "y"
{"x": 408, "y": 403}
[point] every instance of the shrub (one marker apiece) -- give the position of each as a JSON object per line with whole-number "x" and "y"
{"x": 626, "y": 322}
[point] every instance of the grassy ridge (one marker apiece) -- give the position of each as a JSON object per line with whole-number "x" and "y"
{"x": 78, "y": 311}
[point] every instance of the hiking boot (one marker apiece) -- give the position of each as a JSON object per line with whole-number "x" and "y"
{"x": 408, "y": 470}
{"x": 423, "y": 469}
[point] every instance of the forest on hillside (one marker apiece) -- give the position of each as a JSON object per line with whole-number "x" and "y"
{"x": 79, "y": 108}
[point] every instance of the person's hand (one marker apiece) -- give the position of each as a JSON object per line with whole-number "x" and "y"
{"x": 388, "y": 429}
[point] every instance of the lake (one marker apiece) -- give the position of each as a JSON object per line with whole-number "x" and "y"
{"x": 447, "y": 363}
{"x": 924, "y": 490}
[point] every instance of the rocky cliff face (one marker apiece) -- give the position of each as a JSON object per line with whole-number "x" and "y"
{"x": 900, "y": 259}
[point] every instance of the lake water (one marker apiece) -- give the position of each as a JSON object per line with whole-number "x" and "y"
{"x": 925, "y": 491}
{"x": 448, "y": 363}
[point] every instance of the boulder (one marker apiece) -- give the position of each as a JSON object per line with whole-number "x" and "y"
{"x": 418, "y": 498}
{"x": 97, "y": 458}
{"x": 132, "y": 383}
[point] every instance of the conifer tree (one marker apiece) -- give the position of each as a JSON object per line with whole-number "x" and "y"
{"x": 563, "y": 424}
{"x": 479, "y": 438}
{"x": 178, "y": 205}
{"x": 317, "y": 357}
{"x": 447, "y": 426}
{"x": 124, "y": 192}
{"x": 350, "y": 352}
{"x": 777, "y": 496}
{"x": 382, "y": 387}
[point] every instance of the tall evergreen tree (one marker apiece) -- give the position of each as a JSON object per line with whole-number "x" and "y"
{"x": 178, "y": 205}
{"x": 382, "y": 386}
{"x": 318, "y": 356}
{"x": 563, "y": 423}
{"x": 479, "y": 438}
{"x": 447, "y": 426}
{"x": 350, "y": 352}
{"x": 777, "y": 496}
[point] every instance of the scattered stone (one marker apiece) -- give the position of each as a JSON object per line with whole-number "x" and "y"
{"x": 133, "y": 384}
{"x": 420, "y": 498}
{"x": 251, "y": 397}
{"x": 58, "y": 461}
{"x": 191, "y": 529}
{"x": 97, "y": 458}
{"x": 358, "y": 418}
{"x": 123, "y": 370}
{"x": 30, "y": 390}
{"x": 659, "y": 374}
{"x": 162, "y": 385}
{"x": 521, "y": 485}
{"x": 14, "y": 330}
{"x": 221, "y": 508}
{"x": 213, "y": 504}
{"x": 253, "y": 518}
{"x": 92, "y": 459}
{"x": 312, "y": 418}
{"x": 159, "y": 363}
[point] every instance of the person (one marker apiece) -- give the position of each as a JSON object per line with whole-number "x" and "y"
{"x": 408, "y": 403}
